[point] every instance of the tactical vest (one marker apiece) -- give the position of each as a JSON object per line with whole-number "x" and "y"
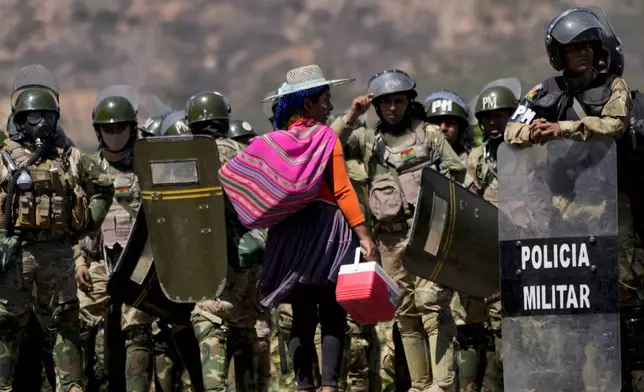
{"x": 395, "y": 172}
{"x": 127, "y": 198}
{"x": 56, "y": 203}
{"x": 555, "y": 101}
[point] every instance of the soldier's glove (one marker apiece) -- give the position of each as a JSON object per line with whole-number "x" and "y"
{"x": 10, "y": 252}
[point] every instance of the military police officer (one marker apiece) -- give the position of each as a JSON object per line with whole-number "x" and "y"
{"x": 394, "y": 152}
{"x": 582, "y": 104}
{"x": 450, "y": 112}
{"x": 60, "y": 193}
{"x": 493, "y": 108}
{"x": 115, "y": 124}
{"x": 225, "y": 325}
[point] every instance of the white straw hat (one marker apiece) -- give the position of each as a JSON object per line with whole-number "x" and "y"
{"x": 304, "y": 78}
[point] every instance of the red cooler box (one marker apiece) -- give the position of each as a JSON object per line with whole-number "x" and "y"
{"x": 366, "y": 292}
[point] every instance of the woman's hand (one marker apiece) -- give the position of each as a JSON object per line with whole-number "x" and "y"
{"x": 366, "y": 242}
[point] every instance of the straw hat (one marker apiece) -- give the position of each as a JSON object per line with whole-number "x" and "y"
{"x": 304, "y": 78}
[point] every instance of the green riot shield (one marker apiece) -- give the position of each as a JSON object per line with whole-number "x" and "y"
{"x": 184, "y": 206}
{"x": 453, "y": 240}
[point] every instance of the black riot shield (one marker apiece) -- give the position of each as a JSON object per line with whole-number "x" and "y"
{"x": 184, "y": 206}
{"x": 134, "y": 280}
{"x": 559, "y": 267}
{"x": 453, "y": 240}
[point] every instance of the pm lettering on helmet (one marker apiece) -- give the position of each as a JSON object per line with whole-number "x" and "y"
{"x": 443, "y": 105}
{"x": 489, "y": 102}
{"x": 523, "y": 115}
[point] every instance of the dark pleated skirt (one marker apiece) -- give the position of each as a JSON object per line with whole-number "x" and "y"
{"x": 307, "y": 248}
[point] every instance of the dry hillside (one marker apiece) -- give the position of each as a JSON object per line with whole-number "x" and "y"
{"x": 243, "y": 48}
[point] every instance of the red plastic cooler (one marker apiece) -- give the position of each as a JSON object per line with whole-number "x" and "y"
{"x": 366, "y": 292}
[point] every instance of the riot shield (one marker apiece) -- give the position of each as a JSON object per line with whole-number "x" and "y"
{"x": 453, "y": 240}
{"x": 134, "y": 280}
{"x": 559, "y": 267}
{"x": 119, "y": 90}
{"x": 184, "y": 205}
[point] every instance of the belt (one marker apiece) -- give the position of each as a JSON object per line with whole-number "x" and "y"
{"x": 392, "y": 227}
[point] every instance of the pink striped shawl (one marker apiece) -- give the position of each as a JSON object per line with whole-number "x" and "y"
{"x": 278, "y": 174}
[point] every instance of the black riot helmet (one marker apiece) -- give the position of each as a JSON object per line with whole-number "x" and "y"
{"x": 391, "y": 81}
{"x": 574, "y": 26}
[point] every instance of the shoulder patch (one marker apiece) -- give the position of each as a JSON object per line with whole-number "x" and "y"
{"x": 533, "y": 92}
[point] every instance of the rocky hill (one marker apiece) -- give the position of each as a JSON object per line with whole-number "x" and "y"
{"x": 243, "y": 48}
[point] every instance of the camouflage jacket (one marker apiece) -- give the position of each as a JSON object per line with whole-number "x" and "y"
{"x": 612, "y": 123}
{"x": 358, "y": 145}
{"x": 481, "y": 174}
{"x": 90, "y": 191}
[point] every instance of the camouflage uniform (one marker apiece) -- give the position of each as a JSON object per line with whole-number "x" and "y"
{"x": 423, "y": 312}
{"x": 93, "y": 308}
{"x": 46, "y": 240}
{"x": 225, "y": 326}
{"x": 135, "y": 324}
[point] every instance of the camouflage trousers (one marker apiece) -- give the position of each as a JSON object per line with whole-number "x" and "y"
{"x": 49, "y": 267}
{"x": 361, "y": 358}
{"x": 424, "y": 319}
{"x": 478, "y": 365}
{"x": 225, "y": 329}
{"x": 631, "y": 275}
{"x": 136, "y": 326}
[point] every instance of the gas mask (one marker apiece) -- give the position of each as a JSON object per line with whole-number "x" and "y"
{"x": 39, "y": 124}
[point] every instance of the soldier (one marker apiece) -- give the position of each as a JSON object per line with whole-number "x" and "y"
{"x": 493, "y": 108}
{"x": 450, "y": 112}
{"x": 73, "y": 197}
{"x": 242, "y": 132}
{"x": 115, "y": 124}
{"x": 225, "y": 325}
{"x": 581, "y": 105}
{"x": 394, "y": 153}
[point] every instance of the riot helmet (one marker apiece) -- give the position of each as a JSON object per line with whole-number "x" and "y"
{"x": 572, "y": 27}
{"x": 495, "y": 98}
{"x": 387, "y": 83}
{"x": 208, "y": 113}
{"x": 36, "y": 113}
{"x": 174, "y": 124}
{"x": 391, "y": 81}
{"x": 449, "y": 110}
{"x": 241, "y": 130}
{"x": 115, "y": 121}
{"x": 152, "y": 126}
{"x": 446, "y": 103}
